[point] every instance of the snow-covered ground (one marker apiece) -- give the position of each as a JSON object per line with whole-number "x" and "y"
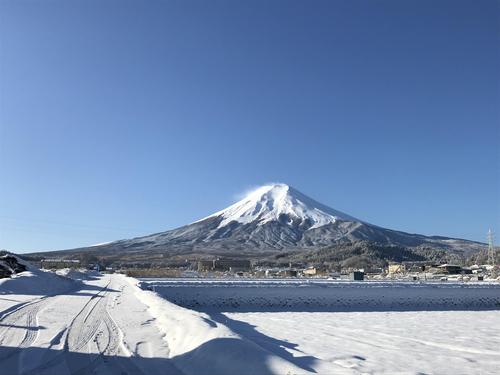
{"x": 328, "y": 327}
{"x": 66, "y": 326}
{"x": 78, "y": 323}
{"x": 424, "y": 342}
{"x": 106, "y": 324}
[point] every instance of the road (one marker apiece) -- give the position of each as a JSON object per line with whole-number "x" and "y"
{"x": 82, "y": 332}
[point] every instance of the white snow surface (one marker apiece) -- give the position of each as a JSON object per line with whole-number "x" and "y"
{"x": 328, "y": 327}
{"x": 411, "y": 342}
{"x": 269, "y": 202}
{"x": 200, "y": 345}
{"x": 34, "y": 282}
{"x": 77, "y": 274}
{"x": 106, "y": 324}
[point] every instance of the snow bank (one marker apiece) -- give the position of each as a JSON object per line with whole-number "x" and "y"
{"x": 326, "y": 295}
{"x": 199, "y": 345}
{"x": 34, "y": 281}
{"x": 77, "y": 274}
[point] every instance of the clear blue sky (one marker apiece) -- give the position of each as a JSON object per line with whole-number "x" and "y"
{"x": 124, "y": 118}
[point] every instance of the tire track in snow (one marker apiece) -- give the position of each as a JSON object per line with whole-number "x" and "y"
{"x": 24, "y": 317}
{"x": 31, "y": 321}
{"x": 5, "y": 313}
{"x": 86, "y": 323}
{"x": 92, "y": 326}
{"x": 115, "y": 347}
{"x": 74, "y": 339}
{"x": 108, "y": 339}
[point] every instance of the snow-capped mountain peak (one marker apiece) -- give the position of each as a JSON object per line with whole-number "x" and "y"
{"x": 279, "y": 202}
{"x": 272, "y": 218}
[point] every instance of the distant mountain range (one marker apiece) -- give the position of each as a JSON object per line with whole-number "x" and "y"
{"x": 272, "y": 219}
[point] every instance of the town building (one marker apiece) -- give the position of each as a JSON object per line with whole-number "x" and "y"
{"x": 452, "y": 269}
{"x": 287, "y": 273}
{"x": 205, "y": 265}
{"x": 397, "y": 268}
{"x": 357, "y": 276}
{"x": 59, "y": 263}
{"x": 232, "y": 265}
{"x": 310, "y": 271}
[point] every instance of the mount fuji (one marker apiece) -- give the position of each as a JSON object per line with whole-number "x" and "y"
{"x": 271, "y": 219}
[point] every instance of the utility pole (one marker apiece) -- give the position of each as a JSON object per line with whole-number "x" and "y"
{"x": 491, "y": 249}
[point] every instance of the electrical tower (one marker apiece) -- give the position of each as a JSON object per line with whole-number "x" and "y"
{"x": 491, "y": 249}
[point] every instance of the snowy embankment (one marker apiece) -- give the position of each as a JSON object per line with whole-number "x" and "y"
{"x": 30, "y": 285}
{"x": 35, "y": 281}
{"x": 324, "y": 295}
{"x": 199, "y": 345}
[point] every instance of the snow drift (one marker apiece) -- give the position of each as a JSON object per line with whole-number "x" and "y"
{"x": 35, "y": 281}
{"x": 199, "y": 345}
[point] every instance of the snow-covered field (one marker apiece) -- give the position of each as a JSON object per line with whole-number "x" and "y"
{"x": 423, "y": 342}
{"x": 324, "y": 295}
{"x": 78, "y": 323}
{"x": 329, "y": 327}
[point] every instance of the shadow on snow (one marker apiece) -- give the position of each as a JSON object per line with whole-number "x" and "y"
{"x": 46, "y": 361}
{"x": 271, "y": 344}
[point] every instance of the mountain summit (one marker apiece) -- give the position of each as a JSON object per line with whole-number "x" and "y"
{"x": 269, "y": 220}
{"x": 280, "y": 202}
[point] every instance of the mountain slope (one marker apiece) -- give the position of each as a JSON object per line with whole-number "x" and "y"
{"x": 270, "y": 219}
